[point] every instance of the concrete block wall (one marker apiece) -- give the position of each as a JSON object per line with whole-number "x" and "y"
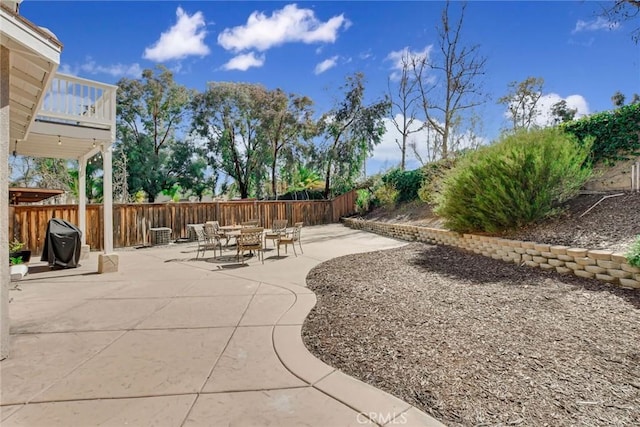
{"x": 607, "y": 266}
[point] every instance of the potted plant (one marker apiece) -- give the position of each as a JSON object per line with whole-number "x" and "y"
{"x": 18, "y": 258}
{"x": 18, "y": 255}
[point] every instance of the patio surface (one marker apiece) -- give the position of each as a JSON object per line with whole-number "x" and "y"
{"x": 174, "y": 341}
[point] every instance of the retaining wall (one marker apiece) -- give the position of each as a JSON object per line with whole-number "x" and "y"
{"x": 607, "y": 266}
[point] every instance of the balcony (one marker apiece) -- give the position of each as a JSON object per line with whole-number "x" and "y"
{"x": 75, "y": 117}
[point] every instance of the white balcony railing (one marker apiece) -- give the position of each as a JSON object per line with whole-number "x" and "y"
{"x": 80, "y": 102}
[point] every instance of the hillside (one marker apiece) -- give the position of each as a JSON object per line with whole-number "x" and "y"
{"x": 611, "y": 224}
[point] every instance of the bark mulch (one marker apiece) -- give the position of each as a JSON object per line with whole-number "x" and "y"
{"x": 478, "y": 342}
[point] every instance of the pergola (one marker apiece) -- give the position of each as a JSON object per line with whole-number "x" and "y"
{"x": 44, "y": 113}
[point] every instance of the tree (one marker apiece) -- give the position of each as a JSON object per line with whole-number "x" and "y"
{"x": 150, "y": 111}
{"x": 456, "y": 90}
{"x": 561, "y": 113}
{"x": 618, "y": 99}
{"x": 623, "y": 10}
{"x": 351, "y": 130}
{"x": 228, "y": 116}
{"x": 522, "y": 102}
{"x": 285, "y": 119}
{"x": 405, "y": 102}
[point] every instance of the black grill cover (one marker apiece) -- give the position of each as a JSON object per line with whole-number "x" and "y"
{"x": 62, "y": 244}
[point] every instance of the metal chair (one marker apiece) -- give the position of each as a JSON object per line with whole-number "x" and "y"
{"x": 278, "y": 229}
{"x": 206, "y": 242}
{"x": 250, "y": 239}
{"x": 213, "y": 232}
{"x": 291, "y": 238}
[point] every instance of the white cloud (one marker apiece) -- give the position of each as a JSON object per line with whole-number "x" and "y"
{"x": 116, "y": 70}
{"x": 545, "y": 104}
{"x": 183, "y": 39}
{"x": 326, "y": 64}
{"x": 244, "y": 62}
{"x": 405, "y": 56}
{"x": 599, "y": 23}
{"x": 289, "y": 24}
{"x": 547, "y": 101}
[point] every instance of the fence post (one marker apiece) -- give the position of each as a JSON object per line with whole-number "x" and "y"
{"x": 635, "y": 177}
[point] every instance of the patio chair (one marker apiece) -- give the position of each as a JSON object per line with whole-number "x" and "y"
{"x": 291, "y": 238}
{"x": 206, "y": 242}
{"x": 250, "y": 239}
{"x": 212, "y": 231}
{"x": 278, "y": 229}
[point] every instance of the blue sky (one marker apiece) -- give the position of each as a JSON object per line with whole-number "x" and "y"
{"x": 308, "y": 47}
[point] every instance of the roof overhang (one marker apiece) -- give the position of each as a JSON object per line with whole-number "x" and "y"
{"x": 34, "y": 56}
{"x": 31, "y": 195}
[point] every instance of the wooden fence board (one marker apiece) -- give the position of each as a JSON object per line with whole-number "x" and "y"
{"x": 28, "y": 223}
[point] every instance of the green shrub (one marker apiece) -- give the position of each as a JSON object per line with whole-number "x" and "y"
{"x": 363, "y": 201}
{"x": 406, "y": 182}
{"x": 432, "y": 175}
{"x": 518, "y": 180}
{"x": 633, "y": 256}
{"x": 387, "y": 196}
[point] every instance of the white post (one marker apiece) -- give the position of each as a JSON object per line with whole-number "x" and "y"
{"x": 82, "y": 198}
{"x": 4, "y": 202}
{"x": 108, "y": 261}
{"x": 108, "y": 197}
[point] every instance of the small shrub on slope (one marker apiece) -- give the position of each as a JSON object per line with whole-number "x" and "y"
{"x": 633, "y": 256}
{"x": 520, "y": 179}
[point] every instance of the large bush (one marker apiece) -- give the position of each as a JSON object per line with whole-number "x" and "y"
{"x": 520, "y": 179}
{"x": 432, "y": 175}
{"x": 406, "y": 183}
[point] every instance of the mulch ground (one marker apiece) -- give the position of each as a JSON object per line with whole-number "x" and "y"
{"x": 478, "y": 342}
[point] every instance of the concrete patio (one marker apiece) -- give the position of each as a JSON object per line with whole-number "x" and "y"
{"x": 174, "y": 341}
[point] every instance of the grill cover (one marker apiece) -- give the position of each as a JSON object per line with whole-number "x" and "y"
{"x": 62, "y": 244}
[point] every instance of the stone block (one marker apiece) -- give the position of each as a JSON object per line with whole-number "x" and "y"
{"x": 630, "y": 283}
{"x": 629, "y": 268}
{"x": 527, "y": 245}
{"x": 548, "y": 254}
{"x": 533, "y": 252}
{"x": 585, "y": 261}
{"x": 107, "y": 263}
{"x": 541, "y": 247}
{"x": 559, "y": 250}
{"x": 527, "y": 257}
{"x": 606, "y": 278}
{"x": 531, "y": 264}
{"x": 577, "y": 252}
{"x": 621, "y": 274}
{"x": 539, "y": 259}
{"x": 556, "y": 262}
{"x": 600, "y": 254}
{"x": 564, "y": 270}
{"x": 618, "y": 257}
{"x": 520, "y": 250}
{"x": 565, "y": 258}
{"x": 585, "y": 274}
{"x": 608, "y": 264}
{"x": 595, "y": 269}
{"x": 574, "y": 266}
{"x": 545, "y": 266}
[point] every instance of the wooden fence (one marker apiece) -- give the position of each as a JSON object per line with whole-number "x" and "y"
{"x": 132, "y": 221}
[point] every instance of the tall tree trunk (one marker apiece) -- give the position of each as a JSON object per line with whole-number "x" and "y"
{"x": 327, "y": 181}
{"x": 273, "y": 176}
